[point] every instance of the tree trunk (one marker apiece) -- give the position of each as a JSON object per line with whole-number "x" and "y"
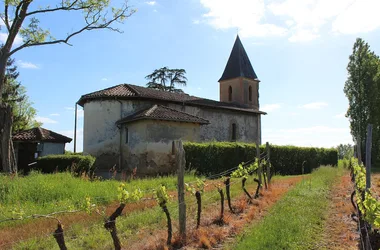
{"x": 6, "y": 156}
{"x": 221, "y": 205}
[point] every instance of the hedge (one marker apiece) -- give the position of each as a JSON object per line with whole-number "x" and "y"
{"x": 216, "y": 157}
{"x": 77, "y": 164}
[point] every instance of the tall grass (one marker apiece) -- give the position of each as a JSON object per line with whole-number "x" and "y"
{"x": 45, "y": 193}
{"x": 295, "y": 222}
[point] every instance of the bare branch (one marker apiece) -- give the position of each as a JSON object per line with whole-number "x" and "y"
{"x": 6, "y": 21}
{"x": 70, "y": 7}
{"x": 91, "y": 25}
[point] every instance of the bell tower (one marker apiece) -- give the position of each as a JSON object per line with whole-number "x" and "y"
{"x": 239, "y": 83}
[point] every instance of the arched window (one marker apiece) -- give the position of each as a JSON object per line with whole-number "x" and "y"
{"x": 250, "y": 93}
{"x": 233, "y": 136}
{"x": 229, "y": 93}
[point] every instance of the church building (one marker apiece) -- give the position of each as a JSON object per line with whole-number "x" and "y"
{"x": 132, "y": 127}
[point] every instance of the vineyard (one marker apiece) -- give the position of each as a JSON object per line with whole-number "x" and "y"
{"x": 226, "y": 209}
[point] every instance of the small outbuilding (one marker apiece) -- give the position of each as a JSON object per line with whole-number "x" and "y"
{"x": 36, "y": 142}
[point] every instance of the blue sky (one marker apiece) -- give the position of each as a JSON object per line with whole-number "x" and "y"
{"x": 298, "y": 48}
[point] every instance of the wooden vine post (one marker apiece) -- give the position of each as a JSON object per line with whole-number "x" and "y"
{"x": 180, "y": 166}
{"x": 259, "y": 170}
{"x": 368, "y": 159}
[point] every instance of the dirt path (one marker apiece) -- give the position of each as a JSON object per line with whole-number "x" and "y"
{"x": 210, "y": 235}
{"x": 340, "y": 230}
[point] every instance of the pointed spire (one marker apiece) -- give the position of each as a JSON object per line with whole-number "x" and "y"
{"x": 238, "y": 64}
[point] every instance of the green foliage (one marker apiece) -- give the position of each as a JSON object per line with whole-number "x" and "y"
{"x": 345, "y": 151}
{"x": 362, "y": 89}
{"x": 161, "y": 195}
{"x": 295, "y": 221}
{"x": 242, "y": 171}
{"x": 166, "y": 79}
{"x": 124, "y": 196}
{"x": 199, "y": 186}
{"x": 367, "y": 203}
{"x": 78, "y": 164}
{"x": 216, "y": 157}
{"x": 14, "y": 94}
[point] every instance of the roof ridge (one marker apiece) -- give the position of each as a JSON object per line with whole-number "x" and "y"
{"x": 175, "y": 110}
{"x": 132, "y": 88}
{"x": 151, "y": 110}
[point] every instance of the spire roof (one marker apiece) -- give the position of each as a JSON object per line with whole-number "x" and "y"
{"x": 238, "y": 64}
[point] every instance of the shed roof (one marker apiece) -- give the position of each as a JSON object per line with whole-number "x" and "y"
{"x": 129, "y": 91}
{"x": 159, "y": 112}
{"x": 238, "y": 64}
{"x": 39, "y": 134}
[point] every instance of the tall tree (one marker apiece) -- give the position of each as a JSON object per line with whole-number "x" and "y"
{"x": 20, "y": 17}
{"x": 362, "y": 91}
{"x": 345, "y": 151}
{"x": 167, "y": 79}
{"x": 14, "y": 94}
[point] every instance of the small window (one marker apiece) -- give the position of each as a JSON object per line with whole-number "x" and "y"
{"x": 229, "y": 93}
{"x": 233, "y": 137}
{"x": 126, "y": 136}
{"x": 250, "y": 93}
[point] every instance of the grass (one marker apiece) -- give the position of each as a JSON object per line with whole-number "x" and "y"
{"x": 94, "y": 236}
{"x": 296, "y": 221}
{"x": 45, "y": 193}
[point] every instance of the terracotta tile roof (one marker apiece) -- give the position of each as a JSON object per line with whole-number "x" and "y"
{"x": 40, "y": 135}
{"x": 129, "y": 91}
{"x": 159, "y": 112}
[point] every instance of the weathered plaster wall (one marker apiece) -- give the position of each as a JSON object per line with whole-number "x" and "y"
{"x": 220, "y": 127}
{"x": 149, "y": 144}
{"x": 101, "y": 137}
{"x": 150, "y": 141}
{"x": 50, "y": 148}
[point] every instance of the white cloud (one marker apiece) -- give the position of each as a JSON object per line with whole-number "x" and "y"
{"x": 314, "y": 105}
{"x": 69, "y": 108}
{"x": 302, "y": 20}
{"x": 151, "y": 3}
{"x": 303, "y": 36}
{"x": 359, "y": 17}
{"x": 104, "y": 79}
{"x": 4, "y": 36}
{"x": 45, "y": 120}
{"x": 248, "y": 16}
{"x": 196, "y": 22}
{"x": 270, "y": 107}
{"x": 54, "y": 114}
{"x": 26, "y": 65}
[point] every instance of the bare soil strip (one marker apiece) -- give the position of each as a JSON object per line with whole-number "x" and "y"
{"x": 340, "y": 230}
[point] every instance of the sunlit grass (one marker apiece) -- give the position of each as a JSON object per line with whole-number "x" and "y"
{"x": 294, "y": 222}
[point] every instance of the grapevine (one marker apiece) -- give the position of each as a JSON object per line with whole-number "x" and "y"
{"x": 162, "y": 198}
{"x": 367, "y": 203}
{"x": 197, "y": 191}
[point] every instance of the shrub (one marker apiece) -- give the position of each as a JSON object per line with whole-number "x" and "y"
{"x": 77, "y": 164}
{"x": 215, "y": 157}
